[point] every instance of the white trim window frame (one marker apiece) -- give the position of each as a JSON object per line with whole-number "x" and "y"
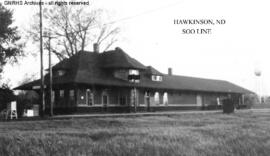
{"x": 157, "y": 78}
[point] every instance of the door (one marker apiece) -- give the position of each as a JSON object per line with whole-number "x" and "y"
{"x": 147, "y": 100}
{"x": 105, "y": 100}
{"x": 89, "y": 97}
{"x": 199, "y": 100}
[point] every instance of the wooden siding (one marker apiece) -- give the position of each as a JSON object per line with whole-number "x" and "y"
{"x": 181, "y": 98}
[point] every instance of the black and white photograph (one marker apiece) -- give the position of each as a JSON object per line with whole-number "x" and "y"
{"x": 134, "y": 78}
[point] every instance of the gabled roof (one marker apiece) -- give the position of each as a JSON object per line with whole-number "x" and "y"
{"x": 92, "y": 69}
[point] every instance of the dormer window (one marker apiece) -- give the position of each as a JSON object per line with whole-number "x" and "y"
{"x": 156, "y": 78}
{"x": 134, "y": 72}
{"x": 134, "y": 75}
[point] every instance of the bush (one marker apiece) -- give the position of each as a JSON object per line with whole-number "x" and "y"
{"x": 250, "y": 100}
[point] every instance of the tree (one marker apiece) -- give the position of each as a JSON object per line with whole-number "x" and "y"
{"x": 6, "y": 95}
{"x": 73, "y": 28}
{"x": 9, "y": 48}
{"x": 251, "y": 100}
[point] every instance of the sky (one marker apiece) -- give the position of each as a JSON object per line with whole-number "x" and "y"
{"x": 232, "y": 52}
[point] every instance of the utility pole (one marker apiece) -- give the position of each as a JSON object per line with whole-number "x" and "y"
{"x": 50, "y": 75}
{"x": 41, "y": 63}
{"x": 48, "y": 35}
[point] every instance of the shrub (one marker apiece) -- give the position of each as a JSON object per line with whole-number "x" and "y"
{"x": 250, "y": 100}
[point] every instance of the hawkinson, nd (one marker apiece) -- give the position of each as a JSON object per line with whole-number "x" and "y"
{"x": 112, "y": 81}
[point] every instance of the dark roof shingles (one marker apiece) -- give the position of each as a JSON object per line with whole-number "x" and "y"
{"x": 119, "y": 59}
{"x": 91, "y": 68}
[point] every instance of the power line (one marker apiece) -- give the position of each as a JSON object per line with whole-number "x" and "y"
{"x": 144, "y": 13}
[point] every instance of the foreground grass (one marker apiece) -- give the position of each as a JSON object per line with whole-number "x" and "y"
{"x": 245, "y": 134}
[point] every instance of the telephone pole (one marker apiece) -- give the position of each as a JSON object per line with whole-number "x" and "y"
{"x": 50, "y": 89}
{"x": 50, "y": 75}
{"x": 42, "y": 98}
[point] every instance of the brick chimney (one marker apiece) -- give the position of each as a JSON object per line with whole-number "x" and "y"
{"x": 170, "y": 71}
{"x": 96, "y": 48}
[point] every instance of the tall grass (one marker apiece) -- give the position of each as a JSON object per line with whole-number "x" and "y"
{"x": 245, "y": 134}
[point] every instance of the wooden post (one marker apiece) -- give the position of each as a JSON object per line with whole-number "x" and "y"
{"x": 135, "y": 100}
{"x": 148, "y": 101}
{"x": 243, "y": 99}
{"x": 50, "y": 75}
{"x": 41, "y": 62}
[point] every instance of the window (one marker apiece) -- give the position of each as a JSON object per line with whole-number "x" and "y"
{"x": 61, "y": 98}
{"x": 62, "y": 93}
{"x": 156, "y": 78}
{"x": 218, "y": 101}
{"x": 165, "y": 98}
{"x": 134, "y": 76}
{"x": 133, "y": 72}
{"x": 156, "y": 98}
{"x": 122, "y": 100}
{"x": 105, "y": 100}
{"x": 71, "y": 94}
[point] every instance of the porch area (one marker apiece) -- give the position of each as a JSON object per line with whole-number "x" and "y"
{"x": 103, "y": 99}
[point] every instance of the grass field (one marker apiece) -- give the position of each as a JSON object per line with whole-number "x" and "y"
{"x": 242, "y": 133}
{"x": 263, "y": 105}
